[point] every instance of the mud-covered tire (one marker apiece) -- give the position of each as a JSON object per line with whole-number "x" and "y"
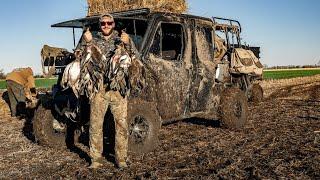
{"x": 234, "y": 108}
{"x": 256, "y": 94}
{"x": 144, "y": 124}
{"x": 43, "y": 129}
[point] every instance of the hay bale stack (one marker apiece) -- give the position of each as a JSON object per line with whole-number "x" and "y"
{"x": 108, "y": 6}
{"x": 4, "y": 108}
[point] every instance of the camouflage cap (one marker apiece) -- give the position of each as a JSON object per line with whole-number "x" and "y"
{"x": 106, "y": 15}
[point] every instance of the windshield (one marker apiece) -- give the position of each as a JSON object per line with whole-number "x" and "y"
{"x": 136, "y": 28}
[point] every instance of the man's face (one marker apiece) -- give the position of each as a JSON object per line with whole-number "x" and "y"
{"x": 107, "y": 25}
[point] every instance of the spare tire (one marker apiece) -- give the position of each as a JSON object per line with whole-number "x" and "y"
{"x": 144, "y": 124}
{"x": 43, "y": 129}
{"x": 233, "y": 108}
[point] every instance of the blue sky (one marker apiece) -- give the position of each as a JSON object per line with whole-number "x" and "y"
{"x": 288, "y": 31}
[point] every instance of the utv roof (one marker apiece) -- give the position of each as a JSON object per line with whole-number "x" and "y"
{"x": 144, "y": 12}
{"x": 223, "y": 24}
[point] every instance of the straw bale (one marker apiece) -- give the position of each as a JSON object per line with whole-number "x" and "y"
{"x": 107, "y": 6}
{"x": 4, "y": 108}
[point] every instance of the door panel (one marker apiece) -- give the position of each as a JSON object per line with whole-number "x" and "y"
{"x": 165, "y": 59}
{"x": 204, "y": 70}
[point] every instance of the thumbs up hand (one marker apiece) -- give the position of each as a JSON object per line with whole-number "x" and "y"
{"x": 125, "y": 38}
{"x": 87, "y": 36}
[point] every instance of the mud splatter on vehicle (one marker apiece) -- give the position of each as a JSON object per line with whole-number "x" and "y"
{"x": 182, "y": 80}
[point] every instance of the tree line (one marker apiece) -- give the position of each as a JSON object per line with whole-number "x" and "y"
{"x": 3, "y": 75}
{"x": 290, "y": 66}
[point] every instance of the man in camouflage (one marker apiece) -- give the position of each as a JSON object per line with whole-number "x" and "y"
{"x": 103, "y": 95}
{"x": 21, "y": 90}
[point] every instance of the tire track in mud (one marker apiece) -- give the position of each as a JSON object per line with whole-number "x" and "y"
{"x": 296, "y": 89}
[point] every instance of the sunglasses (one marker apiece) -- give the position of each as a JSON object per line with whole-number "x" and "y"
{"x": 109, "y": 23}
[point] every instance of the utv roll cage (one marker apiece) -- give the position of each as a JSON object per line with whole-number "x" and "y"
{"x": 142, "y": 13}
{"x": 135, "y": 14}
{"x": 229, "y": 27}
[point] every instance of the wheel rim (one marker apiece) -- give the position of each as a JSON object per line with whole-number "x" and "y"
{"x": 139, "y": 129}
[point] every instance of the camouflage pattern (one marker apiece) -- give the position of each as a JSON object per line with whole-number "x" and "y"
{"x": 48, "y": 52}
{"x": 16, "y": 97}
{"x": 220, "y": 48}
{"x": 21, "y": 90}
{"x": 104, "y": 80}
{"x": 109, "y": 46}
{"x": 24, "y": 77}
{"x": 99, "y": 106}
{"x": 244, "y": 61}
{"x": 102, "y": 64}
{"x": 51, "y": 54}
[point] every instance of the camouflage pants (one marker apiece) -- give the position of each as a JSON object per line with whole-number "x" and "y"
{"x": 99, "y": 106}
{"x": 17, "y": 98}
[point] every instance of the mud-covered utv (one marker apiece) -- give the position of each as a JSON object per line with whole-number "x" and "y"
{"x": 243, "y": 63}
{"x": 183, "y": 80}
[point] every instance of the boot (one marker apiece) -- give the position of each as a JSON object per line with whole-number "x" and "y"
{"x": 122, "y": 164}
{"x": 96, "y": 163}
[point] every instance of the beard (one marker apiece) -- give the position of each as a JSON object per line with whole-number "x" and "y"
{"x": 107, "y": 32}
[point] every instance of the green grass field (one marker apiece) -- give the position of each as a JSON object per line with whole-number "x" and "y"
{"x": 287, "y": 74}
{"x": 43, "y": 83}
{"x": 268, "y": 74}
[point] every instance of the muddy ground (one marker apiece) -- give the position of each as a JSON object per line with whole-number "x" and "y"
{"x": 277, "y": 142}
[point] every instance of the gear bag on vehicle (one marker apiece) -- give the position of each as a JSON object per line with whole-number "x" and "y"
{"x": 244, "y": 61}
